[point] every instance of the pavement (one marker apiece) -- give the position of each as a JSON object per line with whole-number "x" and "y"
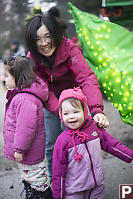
{"x": 116, "y": 171}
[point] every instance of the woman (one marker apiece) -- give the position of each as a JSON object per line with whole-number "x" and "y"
{"x": 63, "y": 66}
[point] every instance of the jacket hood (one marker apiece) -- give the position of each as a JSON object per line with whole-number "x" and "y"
{"x": 77, "y": 94}
{"x": 40, "y": 90}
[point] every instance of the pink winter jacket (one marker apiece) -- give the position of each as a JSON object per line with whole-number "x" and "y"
{"x": 70, "y": 70}
{"x": 24, "y": 124}
{"x": 70, "y": 176}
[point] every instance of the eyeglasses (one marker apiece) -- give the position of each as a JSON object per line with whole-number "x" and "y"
{"x": 44, "y": 39}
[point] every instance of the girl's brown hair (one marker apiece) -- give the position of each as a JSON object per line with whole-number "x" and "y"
{"x": 22, "y": 69}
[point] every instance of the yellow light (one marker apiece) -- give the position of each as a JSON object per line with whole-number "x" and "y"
{"x": 108, "y": 88}
{"x": 105, "y": 64}
{"x": 105, "y": 92}
{"x": 96, "y": 36}
{"x": 111, "y": 94}
{"x": 104, "y": 26}
{"x": 97, "y": 42}
{"x": 95, "y": 54}
{"x": 104, "y": 84}
{"x": 125, "y": 99}
{"x": 115, "y": 105}
{"x": 98, "y": 29}
{"x": 96, "y": 68}
{"x": 110, "y": 83}
{"x": 107, "y": 36}
{"x": 100, "y": 35}
{"x": 120, "y": 93}
{"x": 80, "y": 35}
{"x": 127, "y": 93}
{"x": 118, "y": 80}
{"x": 92, "y": 47}
{"x": 100, "y": 58}
{"x": 99, "y": 48}
{"x": 88, "y": 42}
{"x": 109, "y": 98}
{"x": 108, "y": 29}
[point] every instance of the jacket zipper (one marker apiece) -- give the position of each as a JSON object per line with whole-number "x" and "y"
{"x": 51, "y": 77}
{"x": 91, "y": 165}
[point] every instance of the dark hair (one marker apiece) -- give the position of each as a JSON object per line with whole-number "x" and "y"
{"x": 22, "y": 69}
{"x": 54, "y": 11}
{"x": 34, "y": 24}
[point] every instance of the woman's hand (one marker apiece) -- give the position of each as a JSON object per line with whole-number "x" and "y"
{"x": 18, "y": 156}
{"x": 101, "y": 119}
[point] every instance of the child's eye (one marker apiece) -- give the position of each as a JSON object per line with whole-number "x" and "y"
{"x": 65, "y": 113}
{"x": 76, "y": 111}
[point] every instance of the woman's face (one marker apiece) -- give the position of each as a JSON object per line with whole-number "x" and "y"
{"x": 45, "y": 44}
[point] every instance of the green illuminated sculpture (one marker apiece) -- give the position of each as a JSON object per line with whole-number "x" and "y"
{"x": 108, "y": 49}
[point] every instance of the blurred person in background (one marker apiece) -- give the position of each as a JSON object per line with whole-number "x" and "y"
{"x": 17, "y": 49}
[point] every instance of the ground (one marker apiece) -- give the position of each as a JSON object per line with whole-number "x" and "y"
{"x": 116, "y": 171}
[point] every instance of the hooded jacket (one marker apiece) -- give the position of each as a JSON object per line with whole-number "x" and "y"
{"x": 71, "y": 175}
{"x": 24, "y": 123}
{"x": 70, "y": 70}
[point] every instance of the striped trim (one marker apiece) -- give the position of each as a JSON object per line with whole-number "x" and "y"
{"x": 122, "y": 153}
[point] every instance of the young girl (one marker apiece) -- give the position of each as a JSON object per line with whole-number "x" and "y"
{"x": 77, "y": 161}
{"x": 24, "y": 135}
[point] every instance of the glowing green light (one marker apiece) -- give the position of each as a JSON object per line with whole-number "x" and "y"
{"x": 97, "y": 42}
{"x": 120, "y": 93}
{"x": 95, "y": 54}
{"x": 109, "y": 30}
{"x": 104, "y": 64}
{"x": 88, "y": 42}
{"x": 96, "y": 36}
{"x": 99, "y": 48}
{"x": 100, "y": 58}
{"x": 107, "y": 36}
{"x": 127, "y": 93}
{"x": 118, "y": 80}
{"x": 105, "y": 92}
{"x": 104, "y": 84}
{"x": 92, "y": 47}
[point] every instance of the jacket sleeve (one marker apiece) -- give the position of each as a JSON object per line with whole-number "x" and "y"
{"x": 26, "y": 113}
{"x": 114, "y": 147}
{"x": 59, "y": 167}
{"x": 86, "y": 80}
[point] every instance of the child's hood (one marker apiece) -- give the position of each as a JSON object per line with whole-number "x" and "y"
{"x": 40, "y": 90}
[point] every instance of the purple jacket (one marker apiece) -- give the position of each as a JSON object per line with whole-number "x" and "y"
{"x": 70, "y": 69}
{"x": 24, "y": 124}
{"x": 69, "y": 176}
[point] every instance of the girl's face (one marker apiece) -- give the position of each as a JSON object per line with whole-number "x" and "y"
{"x": 45, "y": 44}
{"x": 10, "y": 81}
{"x": 73, "y": 117}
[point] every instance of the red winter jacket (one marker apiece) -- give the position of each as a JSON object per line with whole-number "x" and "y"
{"x": 70, "y": 70}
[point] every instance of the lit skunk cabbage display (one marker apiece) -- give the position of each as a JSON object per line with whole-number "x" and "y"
{"x": 108, "y": 49}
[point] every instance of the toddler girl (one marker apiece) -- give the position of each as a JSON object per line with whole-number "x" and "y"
{"x": 24, "y": 135}
{"x": 77, "y": 168}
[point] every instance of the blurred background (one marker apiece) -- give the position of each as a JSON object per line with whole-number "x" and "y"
{"x": 14, "y": 12}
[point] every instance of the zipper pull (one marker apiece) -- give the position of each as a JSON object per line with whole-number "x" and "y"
{"x": 51, "y": 78}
